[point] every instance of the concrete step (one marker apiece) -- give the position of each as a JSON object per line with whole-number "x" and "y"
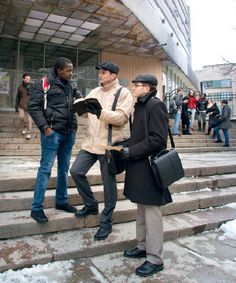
{"x": 21, "y": 200}
{"x": 188, "y": 149}
{"x": 19, "y": 223}
{"x": 15, "y": 178}
{"x": 79, "y": 243}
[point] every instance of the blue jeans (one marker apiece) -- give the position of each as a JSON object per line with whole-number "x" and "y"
{"x": 193, "y": 111}
{"x": 59, "y": 145}
{"x": 176, "y": 123}
{"x": 225, "y": 132}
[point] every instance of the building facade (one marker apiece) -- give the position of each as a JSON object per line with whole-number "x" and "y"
{"x": 146, "y": 36}
{"x": 218, "y": 83}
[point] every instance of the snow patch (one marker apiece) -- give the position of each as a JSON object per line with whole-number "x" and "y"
{"x": 55, "y": 272}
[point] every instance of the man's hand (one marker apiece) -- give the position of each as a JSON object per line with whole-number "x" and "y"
{"x": 47, "y": 131}
{"x": 94, "y": 110}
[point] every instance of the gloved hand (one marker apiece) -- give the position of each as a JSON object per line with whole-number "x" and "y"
{"x": 125, "y": 153}
{"x": 94, "y": 110}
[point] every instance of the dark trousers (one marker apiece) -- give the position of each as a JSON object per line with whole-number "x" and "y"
{"x": 84, "y": 161}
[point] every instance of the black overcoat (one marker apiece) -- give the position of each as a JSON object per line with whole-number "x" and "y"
{"x": 140, "y": 186}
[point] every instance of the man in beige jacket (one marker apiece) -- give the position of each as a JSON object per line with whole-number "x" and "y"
{"x": 92, "y": 149}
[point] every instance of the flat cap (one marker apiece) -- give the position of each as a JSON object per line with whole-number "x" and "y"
{"x": 146, "y": 78}
{"x": 108, "y": 66}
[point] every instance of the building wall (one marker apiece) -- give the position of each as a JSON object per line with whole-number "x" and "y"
{"x": 131, "y": 66}
{"x": 215, "y": 74}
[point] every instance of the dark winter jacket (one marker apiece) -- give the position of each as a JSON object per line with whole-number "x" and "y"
{"x": 185, "y": 115}
{"x": 225, "y": 118}
{"x": 213, "y": 112}
{"x": 22, "y": 96}
{"x": 140, "y": 186}
{"x": 58, "y": 114}
{"x": 202, "y": 104}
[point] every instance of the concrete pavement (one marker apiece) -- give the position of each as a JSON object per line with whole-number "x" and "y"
{"x": 208, "y": 257}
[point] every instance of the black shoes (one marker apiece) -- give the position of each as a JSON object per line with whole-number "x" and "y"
{"x": 102, "y": 233}
{"x": 135, "y": 253}
{"x": 85, "y": 211}
{"x": 66, "y": 207}
{"x": 148, "y": 269}
{"x": 39, "y": 216}
{"x": 218, "y": 141}
{"x": 226, "y": 145}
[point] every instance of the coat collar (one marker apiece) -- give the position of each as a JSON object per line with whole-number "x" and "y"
{"x": 113, "y": 84}
{"x": 147, "y": 96}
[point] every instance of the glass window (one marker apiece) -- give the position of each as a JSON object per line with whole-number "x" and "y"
{"x": 218, "y": 84}
{"x": 8, "y": 63}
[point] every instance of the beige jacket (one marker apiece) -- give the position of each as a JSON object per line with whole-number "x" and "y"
{"x": 97, "y": 133}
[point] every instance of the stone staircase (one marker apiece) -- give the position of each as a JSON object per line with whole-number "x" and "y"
{"x": 201, "y": 202}
{"x": 13, "y": 143}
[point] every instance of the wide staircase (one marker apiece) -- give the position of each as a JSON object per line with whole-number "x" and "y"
{"x": 201, "y": 201}
{"x": 13, "y": 143}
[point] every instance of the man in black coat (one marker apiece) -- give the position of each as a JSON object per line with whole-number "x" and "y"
{"x": 50, "y": 106}
{"x": 148, "y": 136}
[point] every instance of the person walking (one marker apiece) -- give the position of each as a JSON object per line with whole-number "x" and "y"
{"x": 178, "y": 102}
{"x": 201, "y": 110}
{"x": 148, "y": 136}
{"x": 92, "y": 149}
{"x": 192, "y": 105}
{"x": 21, "y": 102}
{"x": 57, "y": 122}
{"x": 213, "y": 112}
{"x": 224, "y": 123}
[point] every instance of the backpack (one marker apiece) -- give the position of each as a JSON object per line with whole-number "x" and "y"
{"x": 45, "y": 86}
{"x": 172, "y": 107}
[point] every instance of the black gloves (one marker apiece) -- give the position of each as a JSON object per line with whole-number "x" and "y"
{"x": 94, "y": 109}
{"x": 125, "y": 153}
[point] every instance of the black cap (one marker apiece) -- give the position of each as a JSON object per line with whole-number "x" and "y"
{"x": 108, "y": 66}
{"x": 146, "y": 78}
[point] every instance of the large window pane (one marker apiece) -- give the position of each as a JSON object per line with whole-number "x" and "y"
{"x": 8, "y": 62}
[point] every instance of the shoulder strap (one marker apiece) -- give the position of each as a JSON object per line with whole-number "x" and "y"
{"x": 45, "y": 86}
{"x": 113, "y": 109}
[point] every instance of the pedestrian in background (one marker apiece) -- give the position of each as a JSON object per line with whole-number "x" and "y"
{"x": 57, "y": 122}
{"x": 212, "y": 112}
{"x": 192, "y": 105}
{"x": 178, "y": 96}
{"x": 224, "y": 123}
{"x": 201, "y": 111}
{"x": 22, "y": 98}
{"x": 148, "y": 136}
{"x": 92, "y": 149}
{"x": 185, "y": 117}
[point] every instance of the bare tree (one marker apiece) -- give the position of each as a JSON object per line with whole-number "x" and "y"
{"x": 229, "y": 68}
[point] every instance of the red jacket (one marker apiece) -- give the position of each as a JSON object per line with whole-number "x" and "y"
{"x": 192, "y": 102}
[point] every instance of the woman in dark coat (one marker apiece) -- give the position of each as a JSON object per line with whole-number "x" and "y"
{"x": 213, "y": 112}
{"x": 148, "y": 136}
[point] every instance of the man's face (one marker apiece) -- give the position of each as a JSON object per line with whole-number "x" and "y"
{"x": 26, "y": 79}
{"x": 66, "y": 73}
{"x": 139, "y": 89}
{"x": 105, "y": 77}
